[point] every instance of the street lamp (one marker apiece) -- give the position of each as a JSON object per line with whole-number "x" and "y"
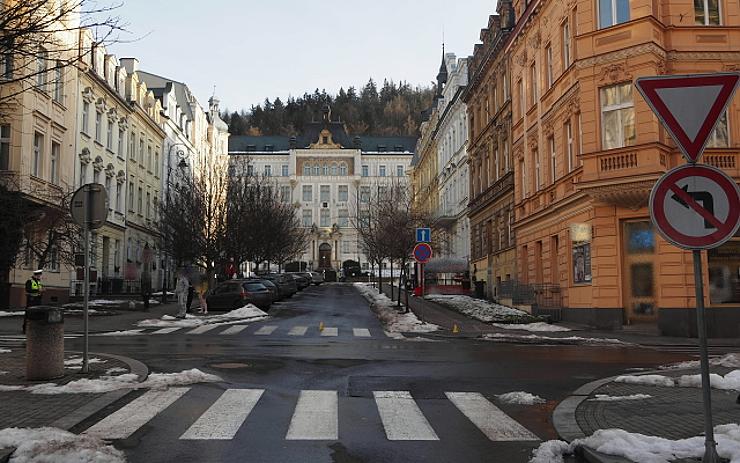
{"x": 182, "y": 155}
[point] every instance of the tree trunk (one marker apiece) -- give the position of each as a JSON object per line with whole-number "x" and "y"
{"x": 380, "y": 276}
{"x": 391, "y": 280}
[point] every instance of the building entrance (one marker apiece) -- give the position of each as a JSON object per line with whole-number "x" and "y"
{"x": 325, "y": 256}
{"x": 639, "y": 272}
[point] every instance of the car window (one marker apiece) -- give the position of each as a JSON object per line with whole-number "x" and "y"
{"x": 254, "y": 286}
{"x": 225, "y": 288}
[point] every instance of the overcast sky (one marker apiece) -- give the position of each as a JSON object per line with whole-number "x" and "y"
{"x": 253, "y": 49}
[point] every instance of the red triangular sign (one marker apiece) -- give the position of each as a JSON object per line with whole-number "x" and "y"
{"x": 689, "y": 106}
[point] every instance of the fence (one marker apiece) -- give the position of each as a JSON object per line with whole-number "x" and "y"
{"x": 545, "y": 298}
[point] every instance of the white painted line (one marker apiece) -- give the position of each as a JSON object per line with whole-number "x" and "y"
{"x": 167, "y": 330}
{"x": 494, "y": 423}
{"x": 402, "y": 418}
{"x": 394, "y": 335}
{"x": 266, "y": 330}
{"x": 330, "y": 332}
{"x": 298, "y": 331}
{"x": 316, "y": 417}
{"x": 224, "y": 418}
{"x": 361, "y": 332}
{"x": 234, "y": 330}
{"x": 124, "y": 422}
{"x": 202, "y": 329}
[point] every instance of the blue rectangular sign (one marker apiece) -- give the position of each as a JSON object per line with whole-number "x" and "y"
{"x": 423, "y": 235}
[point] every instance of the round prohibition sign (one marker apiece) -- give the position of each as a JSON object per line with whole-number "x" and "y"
{"x": 422, "y": 253}
{"x": 696, "y": 207}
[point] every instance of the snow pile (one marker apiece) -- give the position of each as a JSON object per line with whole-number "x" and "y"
{"x": 248, "y": 312}
{"x": 115, "y": 371}
{"x": 392, "y": 320}
{"x": 18, "y": 313}
{"x": 642, "y": 448}
{"x": 3, "y": 372}
{"x": 727, "y": 360}
{"x": 646, "y": 380}
{"x": 96, "y": 303}
{"x": 5, "y": 351}
{"x": 77, "y": 361}
{"x": 479, "y": 309}
{"x": 728, "y": 382}
{"x": 536, "y": 326}
{"x": 535, "y": 339}
{"x": 520, "y": 398}
{"x": 121, "y": 333}
{"x": 618, "y": 398}
{"x": 41, "y": 445}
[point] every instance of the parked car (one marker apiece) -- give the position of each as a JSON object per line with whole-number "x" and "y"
{"x": 286, "y": 284}
{"x": 301, "y": 280}
{"x": 233, "y": 294}
{"x": 270, "y": 286}
{"x": 316, "y": 277}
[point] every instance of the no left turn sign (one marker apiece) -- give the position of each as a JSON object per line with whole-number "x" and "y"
{"x": 695, "y": 207}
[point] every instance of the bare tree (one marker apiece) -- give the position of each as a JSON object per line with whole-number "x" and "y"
{"x": 51, "y": 237}
{"x": 13, "y": 216}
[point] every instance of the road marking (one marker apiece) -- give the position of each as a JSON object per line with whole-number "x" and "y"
{"x": 266, "y": 330}
{"x": 298, "y": 331}
{"x": 316, "y": 417}
{"x": 234, "y": 330}
{"x": 394, "y": 335}
{"x": 202, "y": 329}
{"x": 124, "y": 422}
{"x": 167, "y": 330}
{"x": 494, "y": 423}
{"x": 224, "y": 418}
{"x": 330, "y": 331}
{"x": 361, "y": 332}
{"x": 402, "y": 418}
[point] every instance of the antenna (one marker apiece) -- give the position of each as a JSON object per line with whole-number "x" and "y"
{"x": 214, "y": 90}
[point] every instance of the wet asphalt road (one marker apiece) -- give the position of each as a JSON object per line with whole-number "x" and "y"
{"x": 283, "y": 365}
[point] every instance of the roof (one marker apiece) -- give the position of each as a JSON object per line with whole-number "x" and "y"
{"x": 368, "y": 144}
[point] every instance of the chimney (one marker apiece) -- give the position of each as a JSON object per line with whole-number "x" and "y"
{"x": 131, "y": 65}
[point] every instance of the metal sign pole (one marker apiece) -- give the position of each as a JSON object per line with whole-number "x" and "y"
{"x": 710, "y": 446}
{"x": 421, "y": 270}
{"x": 86, "y": 284}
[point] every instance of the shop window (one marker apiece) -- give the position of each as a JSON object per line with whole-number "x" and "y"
{"x": 582, "y": 263}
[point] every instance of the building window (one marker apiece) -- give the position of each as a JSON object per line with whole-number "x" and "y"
{"x": 109, "y": 190}
{"x": 381, "y": 171}
{"x": 109, "y": 136}
{"x": 149, "y": 158}
{"x": 307, "y": 217}
{"x": 307, "y": 193}
{"x": 325, "y": 218}
{"x": 343, "y": 169}
{"x": 118, "y": 196}
{"x": 364, "y": 194}
{"x": 121, "y": 142}
{"x": 268, "y": 171}
{"x": 285, "y": 193}
{"x": 58, "y": 83}
{"x": 250, "y": 170}
{"x": 537, "y": 170}
{"x": 343, "y": 218}
{"x": 365, "y": 170}
{"x": 284, "y": 170}
{"x": 131, "y": 196}
{"x": 553, "y": 164}
{"x": 140, "y": 201}
{"x": 520, "y": 92}
{"x": 56, "y": 151}
{"x": 316, "y": 169}
{"x": 307, "y": 169}
{"x": 325, "y": 193}
{"x": 617, "y": 116}
{"x": 548, "y": 66}
{"x": 612, "y": 12}
{"x": 707, "y": 12}
{"x": 156, "y": 163}
{"x": 85, "y": 117}
{"x": 83, "y": 173}
{"x": 719, "y": 138}
{"x": 6, "y": 63}
{"x": 569, "y": 145}
{"x": 724, "y": 266}
{"x": 41, "y": 68}
{"x": 4, "y": 146}
{"x": 98, "y": 126}
{"x": 534, "y": 94}
{"x": 566, "y": 45}
{"x": 523, "y": 170}
{"x": 343, "y": 193}
{"x": 141, "y": 150}
{"x": 399, "y": 171}
{"x": 334, "y": 170}
{"x": 148, "y": 204}
{"x": 132, "y": 146}
{"x": 346, "y": 246}
{"x": 38, "y": 154}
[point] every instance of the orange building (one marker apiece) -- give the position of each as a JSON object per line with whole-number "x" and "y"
{"x": 587, "y": 150}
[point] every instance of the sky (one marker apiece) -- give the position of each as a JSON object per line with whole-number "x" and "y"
{"x": 256, "y": 49}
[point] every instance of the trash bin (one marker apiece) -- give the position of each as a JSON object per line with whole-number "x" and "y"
{"x": 44, "y": 343}
{"x": 479, "y": 289}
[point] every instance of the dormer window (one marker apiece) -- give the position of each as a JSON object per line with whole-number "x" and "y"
{"x": 324, "y": 140}
{"x": 381, "y": 148}
{"x": 251, "y": 147}
{"x": 269, "y": 147}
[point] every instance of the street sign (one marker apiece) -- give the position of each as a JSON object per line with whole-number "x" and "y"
{"x": 90, "y": 197}
{"x": 422, "y": 253}
{"x": 695, "y": 207}
{"x": 423, "y": 235}
{"x": 689, "y": 106}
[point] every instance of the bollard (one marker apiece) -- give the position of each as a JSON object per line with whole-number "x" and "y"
{"x": 44, "y": 343}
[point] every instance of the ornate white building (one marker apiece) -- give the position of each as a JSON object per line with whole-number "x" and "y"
{"x": 328, "y": 175}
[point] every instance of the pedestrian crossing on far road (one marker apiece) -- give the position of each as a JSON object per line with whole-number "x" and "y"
{"x": 262, "y": 331}
{"x": 315, "y": 417}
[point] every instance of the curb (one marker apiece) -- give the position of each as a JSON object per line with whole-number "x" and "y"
{"x": 5, "y": 454}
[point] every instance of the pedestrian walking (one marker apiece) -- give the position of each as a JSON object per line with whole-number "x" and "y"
{"x": 191, "y": 294}
{"x": 34, "y": 290}
{"x": 202, "y": 289}
{"x": 181, "y": 291}
{"x": 146, "y": 288}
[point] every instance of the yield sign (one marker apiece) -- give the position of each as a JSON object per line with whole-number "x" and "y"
{"x": 696, "y": 207}
{"x": 689, "y": 106}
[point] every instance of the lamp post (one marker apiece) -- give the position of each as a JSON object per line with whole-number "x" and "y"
{"x": 182, "y": 156}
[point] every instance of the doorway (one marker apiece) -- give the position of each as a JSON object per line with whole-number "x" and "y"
{"x": 639, "y": 272}
{"x": 325, "y": 256}
{"x": 106, "y": 256}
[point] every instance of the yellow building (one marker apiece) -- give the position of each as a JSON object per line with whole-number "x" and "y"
{"x": 587, "y": 150}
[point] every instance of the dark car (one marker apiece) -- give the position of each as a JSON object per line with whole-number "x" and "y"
{"x": 300, "y": 280}
{"x": 233, "y": 294}
{"x": 313, "y": 277}
{"x": 270, "y": 286}
{"x": 286, "y": 285}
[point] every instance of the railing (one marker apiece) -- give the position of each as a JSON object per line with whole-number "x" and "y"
{"x": 618, "y": 162}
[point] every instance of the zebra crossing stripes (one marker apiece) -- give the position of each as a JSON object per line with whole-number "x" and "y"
{"x": 330, "y": 331}
{"x": 494, "y": 423}
{"x": 202, "y": 329}
{"x": 298, "y": 331}
{"x": 316, "y": 417}
{"x": 361, "y": 332}
{"x": 266, "y": 330}
{"x": 401, "y": 417}
{"x": 124, "y": 422}
{"x": 234, "y": 330}
{"x": 221, "y": 329}
{"x": 224, "y": 418}
{"x": 167, "y": 330}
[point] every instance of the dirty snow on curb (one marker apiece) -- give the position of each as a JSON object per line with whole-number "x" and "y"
{"x": 3, "y": 372}
{"x": 646, "y": 380}
{"x": 545, "y": 339}
{"x": 728, "y": 382}
{"x": 4, "y": 313}
{"x": 41, "y": 445}
{"x": 248, "y": 312}
{"x": 727, "y": 360}
{"x": 121, "y": 333}
{"x": 479, "y": 309}
{"x": 618, "y": 398}
{"x": 394, "y": 321}
{"x": 77, "y": 361}
{"x": 115, "y": 371}
{"x": 642, "y": 448}
{"x": 520, "y": 398}
{"x": 536, "y": 326}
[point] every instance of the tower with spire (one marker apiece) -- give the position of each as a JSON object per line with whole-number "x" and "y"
{"x": 442, "y": 75}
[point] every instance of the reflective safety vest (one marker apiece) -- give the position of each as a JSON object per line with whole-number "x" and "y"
{"x": 35, "y": 286}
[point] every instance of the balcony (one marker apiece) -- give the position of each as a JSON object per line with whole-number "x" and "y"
{"x": 445, "y": 218}
{"x": 723, "y": 159}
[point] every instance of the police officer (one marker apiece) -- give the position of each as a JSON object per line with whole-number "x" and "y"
{"x": 34, "y": 288}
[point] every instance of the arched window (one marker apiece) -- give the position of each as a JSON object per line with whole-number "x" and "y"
{"x": 343, "y": 169}
{"x": 334, "y": 169}
{"x": 324, "y": 170}
{"x": 306, "y": 169}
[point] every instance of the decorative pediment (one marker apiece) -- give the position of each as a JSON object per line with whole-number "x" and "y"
{"x": 573, "y": 107}
{"x": 532, "y": 142}
{"x": 123, "y": 123}
{"x": 325, "y": 141}
{"x": 615, "y": 72}
{"x": 547, "y": 129}
{"x": 85, "y": 156}
{"x": 87, "y": 95}
{"x": 521, "y": 59}
{"x": 112, "y": 115}
{"x": 101, "y": 105}
{"x": 535, "y": 40}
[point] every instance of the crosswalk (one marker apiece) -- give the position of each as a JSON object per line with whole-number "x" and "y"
{"x": 315, "y": 417}
{"x": 261, "y": 331}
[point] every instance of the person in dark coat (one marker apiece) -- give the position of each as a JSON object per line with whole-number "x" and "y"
{"x": 34, "y": 289}
{"x": 146, "y": 288}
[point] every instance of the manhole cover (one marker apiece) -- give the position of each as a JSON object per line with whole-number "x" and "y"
{"x": 229, "y": 366}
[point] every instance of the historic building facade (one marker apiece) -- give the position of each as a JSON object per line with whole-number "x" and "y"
{"x": 488, "y": 98}
{"x": 587, "y": 150}
{"x": 328, "y": 175}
